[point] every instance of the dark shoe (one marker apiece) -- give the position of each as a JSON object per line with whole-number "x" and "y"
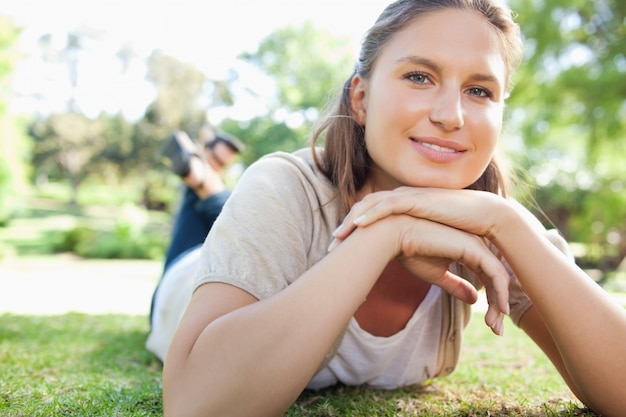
{"x": 177, "y": 153}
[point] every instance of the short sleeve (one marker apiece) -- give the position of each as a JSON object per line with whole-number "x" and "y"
{"x": 263, "y": 238}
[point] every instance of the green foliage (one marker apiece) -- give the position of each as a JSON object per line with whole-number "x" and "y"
{"x": 67, "y": 145}
{"x": 569, "y": 107}
{"x": 11, "y": 166}
{"x": 5, "y": 191}
{"x": 129, "y": 239}
{"x": 106, "y": 225}
{"x": 573, "y": 74}
{"x": 179, "y": 90}
{"x": 70, "y": 146}
{"x": 318, "y": 64}
{"x": 264, "y": 136}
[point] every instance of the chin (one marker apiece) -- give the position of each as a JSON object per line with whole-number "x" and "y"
{"x": 438, "y": 183}
{"x": 452, "y": 180}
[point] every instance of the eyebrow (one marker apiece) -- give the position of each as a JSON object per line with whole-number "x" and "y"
{"x": 414, "y": 59}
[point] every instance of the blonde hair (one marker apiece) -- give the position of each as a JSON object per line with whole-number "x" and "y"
{"x": 345, "y": 160}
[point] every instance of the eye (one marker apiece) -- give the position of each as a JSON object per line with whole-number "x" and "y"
{"x": 479, "y": 92}
{"x": 417, "y": 77}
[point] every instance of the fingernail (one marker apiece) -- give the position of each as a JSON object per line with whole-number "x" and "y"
{"x": 338, "y": 230}
{"x": 508, "y": 309}
{"x": 500, "y": 324}
{"x": 496, "y": 326}
{"x": 333, "y": 245}
{"x": 359, "y": 220}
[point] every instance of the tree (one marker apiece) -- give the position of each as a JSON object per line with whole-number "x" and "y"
{"x": 67, "y": 144}
{"x": 184, "y": 95}
{"x": 12, "y": 143}
{"x": 569, "y": 106}
{"x": 179, "y": 89}
{"x": 306, "y": 66}
{"x": 574, "y": 69}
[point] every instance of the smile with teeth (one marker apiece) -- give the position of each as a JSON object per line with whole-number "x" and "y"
{"x": 437, "y": 147}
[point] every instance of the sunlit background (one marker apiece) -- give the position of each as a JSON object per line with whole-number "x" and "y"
{"x": 89, "y": 90}
{"x": 118, "y": 36}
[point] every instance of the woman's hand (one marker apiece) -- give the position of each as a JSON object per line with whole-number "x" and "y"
{"x": 475, "y": 212}
{"x": 426, "y": 249}
{"x": 467, "y": 216}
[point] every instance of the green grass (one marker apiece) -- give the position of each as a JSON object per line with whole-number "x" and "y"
{"x": 82, "y": 365}
{"x": 77, "y": 365}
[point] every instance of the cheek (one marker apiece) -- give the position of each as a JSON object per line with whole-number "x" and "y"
{"x": 389, "y": 109}
{"x": 490, "y": 126}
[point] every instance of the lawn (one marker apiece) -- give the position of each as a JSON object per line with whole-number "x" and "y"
{"x": 96, "y": 365}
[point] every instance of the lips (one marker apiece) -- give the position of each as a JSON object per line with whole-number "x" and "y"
{"x": 438, "y": 150}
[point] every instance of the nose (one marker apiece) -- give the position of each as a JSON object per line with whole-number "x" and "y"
{"x": 447, "y": 111}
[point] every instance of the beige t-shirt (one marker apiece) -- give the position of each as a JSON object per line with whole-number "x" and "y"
{"x": 278, "y": 223}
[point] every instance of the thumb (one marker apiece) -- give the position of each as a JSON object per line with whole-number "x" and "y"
{"x": 458, "y": 287}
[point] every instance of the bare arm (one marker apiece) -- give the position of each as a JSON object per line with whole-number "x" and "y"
{"x": 257, "y": 358}
{"x": 233, "y": 355}
{"x": 587, "y": 327}
{"x": 532, "y": 323}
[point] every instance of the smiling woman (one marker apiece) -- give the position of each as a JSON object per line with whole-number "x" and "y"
{"x": 357, "y": 263}
{"x": 438, "y": 109}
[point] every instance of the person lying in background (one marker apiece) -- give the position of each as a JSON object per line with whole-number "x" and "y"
{"x": 203, "y": 196}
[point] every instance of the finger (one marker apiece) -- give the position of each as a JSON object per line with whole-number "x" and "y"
{"x": 496, "y": 284}
{"x": 426, "y": 238}
{"x": 491, "y": 273}
{"x": 344, "y": 229}
{"x": 495, "y": 279}
{"x": 469, "y": 210}
{"x": 348, "y": 225}
{"x": 458, "y": 287}
{"x": 398, "y": 201}
{"x": 494, "y": 318}
{"x": 497, "y": 291}
{"x": 497, "y": 297}
{"x": 335, "y": 242}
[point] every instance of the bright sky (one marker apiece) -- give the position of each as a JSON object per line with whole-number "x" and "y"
{"x": 209, "y": 33}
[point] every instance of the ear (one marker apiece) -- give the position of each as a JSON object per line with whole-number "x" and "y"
{"x": 358, "y": 98}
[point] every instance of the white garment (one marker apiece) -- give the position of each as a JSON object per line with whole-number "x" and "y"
{"x": 171, "y": 300}
{"x": 406, "y": 358}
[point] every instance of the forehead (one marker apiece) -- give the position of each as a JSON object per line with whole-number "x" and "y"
{"x": 463, "y": 37}
{"x": 221, "y": 146}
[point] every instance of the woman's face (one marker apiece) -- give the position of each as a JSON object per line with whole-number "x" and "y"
{"x": 432, "y": 108}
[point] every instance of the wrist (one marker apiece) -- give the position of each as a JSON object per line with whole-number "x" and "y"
{"x": 509, "y": 221}
{"x": 382, "y": 236}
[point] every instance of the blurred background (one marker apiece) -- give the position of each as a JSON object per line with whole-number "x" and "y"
{"x": 88, "y": 94}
